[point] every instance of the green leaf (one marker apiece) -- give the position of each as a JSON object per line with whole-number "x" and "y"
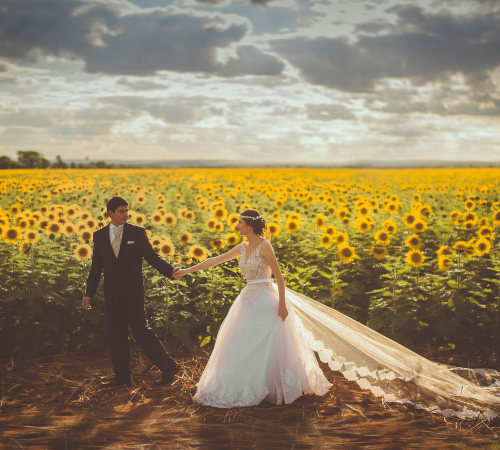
{"x": 205, "y": 340}
{"x": 181, "y": 331}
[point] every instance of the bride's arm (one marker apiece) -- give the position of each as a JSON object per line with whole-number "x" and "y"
{"x": 212, "y": 262}
{"x": 267, "y": 252}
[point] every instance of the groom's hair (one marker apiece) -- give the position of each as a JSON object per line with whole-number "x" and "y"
{"x": 115, "y": 202}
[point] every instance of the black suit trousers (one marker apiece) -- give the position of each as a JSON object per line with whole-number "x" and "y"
{"x": 122, "y": 315}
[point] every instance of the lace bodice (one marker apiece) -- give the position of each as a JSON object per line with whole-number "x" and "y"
{"x": 254, "y": 267}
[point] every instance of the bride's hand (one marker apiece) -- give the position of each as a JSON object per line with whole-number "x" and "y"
{"x": 282, "y": 311}
{"x": 180, "y": 273}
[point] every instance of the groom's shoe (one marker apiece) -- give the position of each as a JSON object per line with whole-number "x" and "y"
{"x": 168, "y": 375}
{"x": 115, "y": 382}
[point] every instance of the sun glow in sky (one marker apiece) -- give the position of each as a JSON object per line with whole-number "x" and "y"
{"x": 270, "y": 81}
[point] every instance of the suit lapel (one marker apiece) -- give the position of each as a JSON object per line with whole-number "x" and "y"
{"x": 125, "y": 236}
{"x": 107, "y": 241}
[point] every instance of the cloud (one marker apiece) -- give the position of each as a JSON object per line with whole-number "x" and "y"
{"x": 421, "y": 47}
{"x": 141, "y": 85}
{"x": 327, "y": 112}
{"x": 139, "y": 43}
{"x": 4, "y": 67}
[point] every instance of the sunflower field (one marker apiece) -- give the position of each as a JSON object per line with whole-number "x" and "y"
{"x": 412, "y": 254}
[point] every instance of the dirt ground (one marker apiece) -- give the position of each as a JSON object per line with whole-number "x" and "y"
{"x": 56, "y": 403}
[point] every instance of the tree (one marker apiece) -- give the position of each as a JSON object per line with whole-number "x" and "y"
{"x": 30, "y": 159}
{"x": 7, "y": 163}
{"x": 59, "y": 163}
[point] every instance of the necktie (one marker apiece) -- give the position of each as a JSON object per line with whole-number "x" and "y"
{"x": 117, "y": 240}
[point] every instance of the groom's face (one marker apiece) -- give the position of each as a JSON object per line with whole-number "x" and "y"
{"x": 120, "y": 216}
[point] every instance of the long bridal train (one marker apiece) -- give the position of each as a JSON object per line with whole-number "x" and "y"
{"x": 389, "y": 369}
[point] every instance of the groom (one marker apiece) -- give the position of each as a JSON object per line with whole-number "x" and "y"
{"x": 118, "y": 251}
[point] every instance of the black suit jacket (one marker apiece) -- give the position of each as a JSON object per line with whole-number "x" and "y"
{"x": 123, "y": 275}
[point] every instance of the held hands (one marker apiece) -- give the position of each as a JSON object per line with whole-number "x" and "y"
{"x": 282, "y": 311}
{"x": 179, "y": 273}
{"x": 86, "y": 303}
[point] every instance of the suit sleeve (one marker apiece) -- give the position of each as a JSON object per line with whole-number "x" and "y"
{"x": 152, "y": 257}
{"x": 95, "y": 272}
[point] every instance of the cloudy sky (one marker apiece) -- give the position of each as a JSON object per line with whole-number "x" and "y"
{"x": 251, "y": 80}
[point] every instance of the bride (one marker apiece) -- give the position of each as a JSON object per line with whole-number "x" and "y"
{"x": 265, "y": 348}
{"x": 260, "y": 353}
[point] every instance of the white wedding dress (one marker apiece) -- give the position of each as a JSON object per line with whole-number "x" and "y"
{"x": 257, "y": 356}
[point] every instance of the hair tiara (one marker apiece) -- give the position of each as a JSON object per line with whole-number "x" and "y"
{"x": 251, "y": 217}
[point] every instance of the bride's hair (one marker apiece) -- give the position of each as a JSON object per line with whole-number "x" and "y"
{"x": 256, "y": 221}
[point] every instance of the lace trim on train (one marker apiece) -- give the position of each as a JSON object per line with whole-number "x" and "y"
{"x": 367, "y": 379}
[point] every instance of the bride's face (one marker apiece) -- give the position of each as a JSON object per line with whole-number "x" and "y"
{"x": 243, "y": 228}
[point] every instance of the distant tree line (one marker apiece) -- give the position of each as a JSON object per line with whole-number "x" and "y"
{"x": 30, "y": 159}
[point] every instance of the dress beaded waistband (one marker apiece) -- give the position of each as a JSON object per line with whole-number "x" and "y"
{"x": 260, "y": 280}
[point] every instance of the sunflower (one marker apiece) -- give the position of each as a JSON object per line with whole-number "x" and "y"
{"x": 391, "y": 207}
{"x": 320, "y": 221}
{"x": 24, "y": 247}
{"x": 331, "y": 210}
{"x": 445, "y": 263}
{"x": 326, "y": 240}
{"x": 198, "y": 252}
{"x": 410, "y": 219}
{"x": 445, "y": 251}
{"x": 167, "y": 248}
{"x": 294, "y": 216}
{"x": 341, "y": 238}
{"x": 461, "y": 246}
{"x": 156, "y": 240}
{"x": 389, "y": 226}
{"x": 414, "y": 242}
{"x": 12, "y": 235}
{"x": 342, "y": 212}
{"x": 156, "y": 218}
{"x": 184, "y": 260}
{"x": 378, "y": 252}
{"x": 470, "y": 205}
{"x": 54, "y": 228}
{"x": 345, "y": 221}
{"x": 496, "y": 217}
{"x": 483, "y": 222}
{"x": 23, "y": 224}
{"x": 232, "y": 239}
{"x": 292, "y": 226}
{"x": 482, "y": 246}
{"x": 472, "y": 216}
{"x": 232, "y": 220}
{"x": 331, "y": 230}
{"x": 220, "y": 213}
{"x": 455, "y": 217}
{"x": 217, "y": 244}
{"x": 274, "y": 229}
{"x": 382, "y": 237}
{"x": 219, "y": 226}
{"x": 419, "y": 226}
{"x": 363, "y": 210}
{"x": 85, "y": 235}
{"x": 425, "y": 211}
{"x": 416, "y": 197}
{"x": 346, "y": 253}
{"x": 169, "y": 220}
{"x": 415, "y": 258}
{"x": 277, "y": 216}
{"x": 185, "y": 237}
{"x": 362, "y": 224}
{"x": 485, "y": 231}
{"x": 141, "y": 198}
{"x": 140, "y": 219}
{"x": 31, "y": 236}
{"x": 82, "y": 252}
{"x": 190, "y": 215}
{"x": 210, "y": 224}
{"x": 469, "y": 225}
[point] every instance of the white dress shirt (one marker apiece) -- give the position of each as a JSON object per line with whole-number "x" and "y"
{"x": 112, "y": 234}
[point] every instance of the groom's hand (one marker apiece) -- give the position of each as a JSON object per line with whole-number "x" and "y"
{"x": 86, "y": 303}
{"x": 179, "y": 273}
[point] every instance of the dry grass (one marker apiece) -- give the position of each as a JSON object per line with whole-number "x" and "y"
{"x": 56, "y": 403}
